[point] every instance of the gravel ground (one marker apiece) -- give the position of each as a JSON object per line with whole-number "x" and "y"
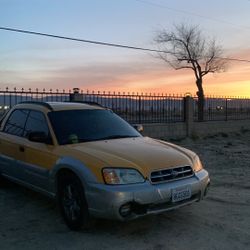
{"x": 221, "y": 221}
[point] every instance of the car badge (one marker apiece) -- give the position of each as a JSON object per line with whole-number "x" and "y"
{"x": 174, "y": 173}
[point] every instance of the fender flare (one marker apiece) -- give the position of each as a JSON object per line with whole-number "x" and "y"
{"x": 77, "y": 167}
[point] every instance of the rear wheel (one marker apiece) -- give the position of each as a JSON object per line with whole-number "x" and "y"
{"x": 72, "y": 202}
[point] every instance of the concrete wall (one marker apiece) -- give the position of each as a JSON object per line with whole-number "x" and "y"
{"x": 214, "y": 127}
{"x": 165, "y": 130}
{"x": 189, "y": 128}
{"x": 180, "y": 130}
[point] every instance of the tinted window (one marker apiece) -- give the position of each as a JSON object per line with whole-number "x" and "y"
{"x": 15, "y": 123}
{"x": 73, "y": 126}
{"x": 36, "y": 122}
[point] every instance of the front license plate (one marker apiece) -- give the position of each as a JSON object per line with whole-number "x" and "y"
{"x": 179, "y": 194}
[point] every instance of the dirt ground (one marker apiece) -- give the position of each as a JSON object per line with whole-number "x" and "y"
{"x": 221, "y": 221}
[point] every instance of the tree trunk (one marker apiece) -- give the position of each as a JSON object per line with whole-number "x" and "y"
{"x": 201, "y": 100}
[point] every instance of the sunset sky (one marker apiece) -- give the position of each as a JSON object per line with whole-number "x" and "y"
{"x": 41, "y": 62}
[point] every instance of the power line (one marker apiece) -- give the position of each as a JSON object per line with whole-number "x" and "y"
{"x": 103, "y": 43}
{"x": 79, "y": 40}
{"x": 192, "y": 14}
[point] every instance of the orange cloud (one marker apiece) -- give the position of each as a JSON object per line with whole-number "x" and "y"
{"x": 144, "y": 75}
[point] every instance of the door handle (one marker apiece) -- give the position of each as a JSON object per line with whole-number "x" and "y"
{"x": 21, "y": 148}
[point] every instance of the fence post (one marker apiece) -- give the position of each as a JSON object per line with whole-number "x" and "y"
{"x": 76, "y": 96}
{"x": 226, "y": 110}
{"x": 189, "y": 114}
{"x": 140, "y": 109}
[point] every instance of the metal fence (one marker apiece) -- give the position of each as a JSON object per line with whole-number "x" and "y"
{"x": 142, "y": 108}
{"x": 137, "y": 108}
{"x": 12, "y": 97}
{"x": 224, "y": 109}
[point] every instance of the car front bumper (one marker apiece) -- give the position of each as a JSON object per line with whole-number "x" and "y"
{"x": 106, "y": 201}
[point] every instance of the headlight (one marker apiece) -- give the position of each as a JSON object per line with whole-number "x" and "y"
{"x": 117, "y": 176}
{"x": 197, "y": 165}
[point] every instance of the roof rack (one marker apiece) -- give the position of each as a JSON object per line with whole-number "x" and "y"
{"x": 44, "y": 104}
{"x": 87, "y": 102}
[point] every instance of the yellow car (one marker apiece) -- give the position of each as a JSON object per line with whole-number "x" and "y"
{"x": 95, "y": 163}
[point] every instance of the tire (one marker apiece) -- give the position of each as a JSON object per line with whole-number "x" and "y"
{"x": 72, "y": 202}
{"x": 3, "y": 181}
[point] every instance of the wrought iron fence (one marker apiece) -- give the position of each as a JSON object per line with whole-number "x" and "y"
{"x": 224, "y": 109}
{"x": 142, "y": 108}
{"x": 133, "y": 107}
{"x": 137, "y": 108}
{"x": 11, "y": 97}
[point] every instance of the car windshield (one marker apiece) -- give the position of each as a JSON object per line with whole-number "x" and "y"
{"x": 75, "y": 126}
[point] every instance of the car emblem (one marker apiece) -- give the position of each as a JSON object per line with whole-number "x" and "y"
{"x": 174, "y": 173}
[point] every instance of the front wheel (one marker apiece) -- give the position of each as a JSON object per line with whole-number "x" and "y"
{"x": 72, "y": 202}
{"x": 3, "y": 181}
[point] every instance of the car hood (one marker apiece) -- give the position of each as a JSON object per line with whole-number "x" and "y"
{"x": 142, "y": 153}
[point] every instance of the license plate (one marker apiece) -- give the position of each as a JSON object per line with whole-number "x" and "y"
{"x": 182, "y": 193}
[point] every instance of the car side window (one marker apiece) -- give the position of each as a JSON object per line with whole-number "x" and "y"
{"x": 36, "y": 122}
{"x": 16, "y": 122}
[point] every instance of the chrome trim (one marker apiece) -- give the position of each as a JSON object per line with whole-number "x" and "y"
{"x": 174, "y": 172}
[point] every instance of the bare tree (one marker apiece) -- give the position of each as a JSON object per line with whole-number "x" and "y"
{"x": 185, "y": 47}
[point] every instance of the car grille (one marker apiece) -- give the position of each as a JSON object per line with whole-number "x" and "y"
{"x": 165, "y": 175}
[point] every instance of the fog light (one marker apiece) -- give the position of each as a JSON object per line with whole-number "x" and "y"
{"x": 125, "y": 210}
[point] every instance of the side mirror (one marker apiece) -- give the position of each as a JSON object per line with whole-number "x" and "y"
{"x": 38, "y": 136}
{"x": 138, "y": 127}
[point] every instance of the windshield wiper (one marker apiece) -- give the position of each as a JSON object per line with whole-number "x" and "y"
{"x": 107, "y": 138}
{"x": 117, "y": 137}
{"x": 114, "y": 137}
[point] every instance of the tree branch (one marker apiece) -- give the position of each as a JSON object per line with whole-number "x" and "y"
{"x": 188, "y": 49}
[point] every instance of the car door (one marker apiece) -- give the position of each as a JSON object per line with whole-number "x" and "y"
{"x": 39, "y": 157}
{"x": 11, "y": 144}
